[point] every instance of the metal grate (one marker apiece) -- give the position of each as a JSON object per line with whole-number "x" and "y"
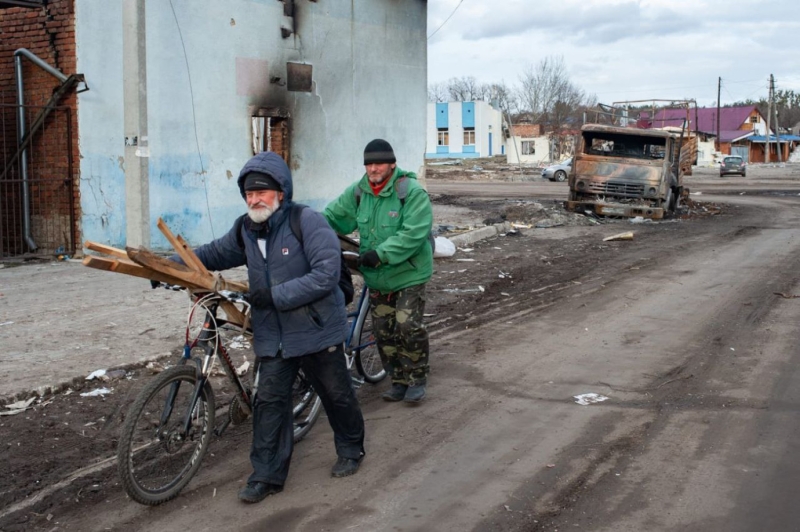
{"x": 615, "y": 188}
{"x": 50, "y": 184}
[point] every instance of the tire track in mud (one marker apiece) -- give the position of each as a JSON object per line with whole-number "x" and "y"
{"x": 577, "y": 497}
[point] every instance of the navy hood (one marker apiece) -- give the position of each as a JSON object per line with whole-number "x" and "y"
{"x": 272, "y": 164}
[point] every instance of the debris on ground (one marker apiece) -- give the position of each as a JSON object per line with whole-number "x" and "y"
{"x": 444, "y": 248}
{"x": 621, "y": 236}
{"x": 586, "y": 399}
{"x": 786, "y": 296}
{"x": 241, "y": 370}
{"x": 96, "y": 374}
{"x": 99, "y": 392}
{"x": 18, "y": 407}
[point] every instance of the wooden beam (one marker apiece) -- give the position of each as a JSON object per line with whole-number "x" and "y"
{"x": 187, "y": 256}
{"x": 106, "y": 250}
{"x": 128, "y": 268}
{"x": 210, "y": 282}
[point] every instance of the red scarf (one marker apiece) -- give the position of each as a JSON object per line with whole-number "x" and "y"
{"x": 376, "y": 189}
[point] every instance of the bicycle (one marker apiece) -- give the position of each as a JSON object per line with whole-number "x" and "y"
{"x": 166, "y": 433}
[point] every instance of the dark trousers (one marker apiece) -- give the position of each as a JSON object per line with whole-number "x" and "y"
{"x": 273, "y": 427}
{"x": 397, "y": 321}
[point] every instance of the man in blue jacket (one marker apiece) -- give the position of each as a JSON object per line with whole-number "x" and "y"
{"x": 298, "y": 320}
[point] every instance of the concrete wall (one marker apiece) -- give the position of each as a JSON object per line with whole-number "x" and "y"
{"x": 488, "y": 120}
{"x": 369, "y": 81}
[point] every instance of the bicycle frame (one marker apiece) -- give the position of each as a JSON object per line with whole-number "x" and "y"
{"x": 209, "y": 341}
{"x": 356, "y": 321}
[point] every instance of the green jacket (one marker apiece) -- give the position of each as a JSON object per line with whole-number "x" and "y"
{"x": 398, "y": 231}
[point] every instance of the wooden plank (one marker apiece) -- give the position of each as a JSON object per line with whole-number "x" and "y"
{"x": 187, "y": 256}
{"x": 195, "y": 261}
{"x": 128, "y": 268}
{"x": 107, "y": 250}
{"x": 210, "y": 282}
{"x": 234, "y": 314}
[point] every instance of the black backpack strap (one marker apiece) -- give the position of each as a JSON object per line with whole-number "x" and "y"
{"x": 294, "y": 221}
{"x": 239, "y": 225}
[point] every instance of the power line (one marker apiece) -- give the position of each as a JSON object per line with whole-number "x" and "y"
{"x": 194, "y": 119}
{"x": 445, "y": 20}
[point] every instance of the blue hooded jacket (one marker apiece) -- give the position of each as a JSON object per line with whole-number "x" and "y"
{"x": 309, "y": 312}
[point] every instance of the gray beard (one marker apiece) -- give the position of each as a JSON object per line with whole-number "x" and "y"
{"x": 259, "y": 216}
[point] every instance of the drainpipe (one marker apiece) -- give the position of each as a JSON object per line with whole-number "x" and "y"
{"x": 22, "y": 130}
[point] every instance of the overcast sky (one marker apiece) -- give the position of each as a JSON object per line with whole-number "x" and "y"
{"x": 623, "y": 49}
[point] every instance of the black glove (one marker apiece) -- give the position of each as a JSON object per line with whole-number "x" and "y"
{"x": 261, "y": 299}
{"x": 370, "y": 259}
{"x": 154, "y": 284}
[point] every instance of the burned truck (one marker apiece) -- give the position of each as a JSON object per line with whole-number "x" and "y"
{"x": 628, "y": 172}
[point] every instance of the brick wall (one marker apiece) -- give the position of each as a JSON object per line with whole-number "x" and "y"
{"x": 49, "y": 33}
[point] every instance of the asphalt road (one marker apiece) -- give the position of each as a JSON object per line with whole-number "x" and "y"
{"x": 682, "y": 331}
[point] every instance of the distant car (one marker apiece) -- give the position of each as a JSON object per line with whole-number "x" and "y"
{"x": 558, "y": 172}
{"x": 733, "y": 165}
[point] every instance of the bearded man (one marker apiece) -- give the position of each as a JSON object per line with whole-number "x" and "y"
{"x": 298, "y": 319}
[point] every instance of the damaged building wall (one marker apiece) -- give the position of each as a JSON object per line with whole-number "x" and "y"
{"x": 367, "y": 63}
{"x": 48, "y": 33}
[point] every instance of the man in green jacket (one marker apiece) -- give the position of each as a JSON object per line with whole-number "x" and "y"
{"x": 393, "y": 215}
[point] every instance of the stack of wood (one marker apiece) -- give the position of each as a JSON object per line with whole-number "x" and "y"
{"x": 140, "y": 262}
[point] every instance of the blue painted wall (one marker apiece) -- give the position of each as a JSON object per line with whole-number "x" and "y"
{"x": 200, "y": 103}
{"x": 467, "y": 114}
{"x": 442, "y": 115}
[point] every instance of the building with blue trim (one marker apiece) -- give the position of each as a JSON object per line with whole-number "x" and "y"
{"x": 464, "y": 130}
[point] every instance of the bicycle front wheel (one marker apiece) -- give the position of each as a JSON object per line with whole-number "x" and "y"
{"x": 306, "y": 406}
{"x": 157, "y": 457}
{"x": 368, "y": 359}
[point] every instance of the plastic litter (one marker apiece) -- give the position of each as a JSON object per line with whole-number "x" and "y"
{"x": 99, "y": 392}
{"x": 444, "y": 248}
{"x": 586, "y": 399}
{"x": 96, "y": 374}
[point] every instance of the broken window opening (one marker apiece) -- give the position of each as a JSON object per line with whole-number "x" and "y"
{"x": 270, "y": 132}
{"x": 528, "y": 147}
{"x": 630, "y": 146}
{"x": 444, "y": 137}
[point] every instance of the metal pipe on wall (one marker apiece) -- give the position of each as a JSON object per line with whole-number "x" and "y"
{"x": 22, "y": 130}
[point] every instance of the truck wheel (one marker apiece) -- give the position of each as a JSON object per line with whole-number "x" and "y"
{"x": 561, "y": 176}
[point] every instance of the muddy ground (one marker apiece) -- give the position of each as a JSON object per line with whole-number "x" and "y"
{"x": 56, "y": 461}
{"x": 65, "y": 433}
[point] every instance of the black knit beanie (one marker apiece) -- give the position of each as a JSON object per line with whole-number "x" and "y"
{"x": 259, "y": 181}
{"x": 378, "y": 151}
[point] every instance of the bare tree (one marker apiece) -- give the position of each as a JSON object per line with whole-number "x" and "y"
{"x": 437, "y": 93}
{"x": 466, "y": 89}
{"x": 505, "y": 98}
{"x": 548, "y": 95}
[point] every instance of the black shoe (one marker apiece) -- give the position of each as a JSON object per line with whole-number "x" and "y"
{"x": 258, "y": 491}
{"x": 415, "y": 394}
{"x": 395, "y": 393}
{"x": 344, "y": 467}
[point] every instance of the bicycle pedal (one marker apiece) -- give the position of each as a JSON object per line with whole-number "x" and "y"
{"x": 357, "y": 381}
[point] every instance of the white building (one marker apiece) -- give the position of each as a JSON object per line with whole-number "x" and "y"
{"x": 181, "y": 99}
{"x": 528, "y": 145}
{"x": 464, "y": 130}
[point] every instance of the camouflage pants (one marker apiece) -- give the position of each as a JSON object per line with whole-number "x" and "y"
{"x": 400, "y": 334}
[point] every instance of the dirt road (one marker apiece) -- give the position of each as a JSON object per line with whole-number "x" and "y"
{"x": 681, "y": 329}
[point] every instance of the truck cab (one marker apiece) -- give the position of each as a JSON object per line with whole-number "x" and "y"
{"x": 627, "y": 172}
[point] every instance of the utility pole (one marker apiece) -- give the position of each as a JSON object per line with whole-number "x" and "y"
{"x": 134, "y": 95}
{"x": 769, "y": 117}
{"x": 719, "y": 93}
{"x": 777, "y": 124}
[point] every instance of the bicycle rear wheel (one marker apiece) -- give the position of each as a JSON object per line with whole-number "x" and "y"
{"x": 155, "y": 458}
{"x": 368, "y": 359}
{"x": 306, "y": 406}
